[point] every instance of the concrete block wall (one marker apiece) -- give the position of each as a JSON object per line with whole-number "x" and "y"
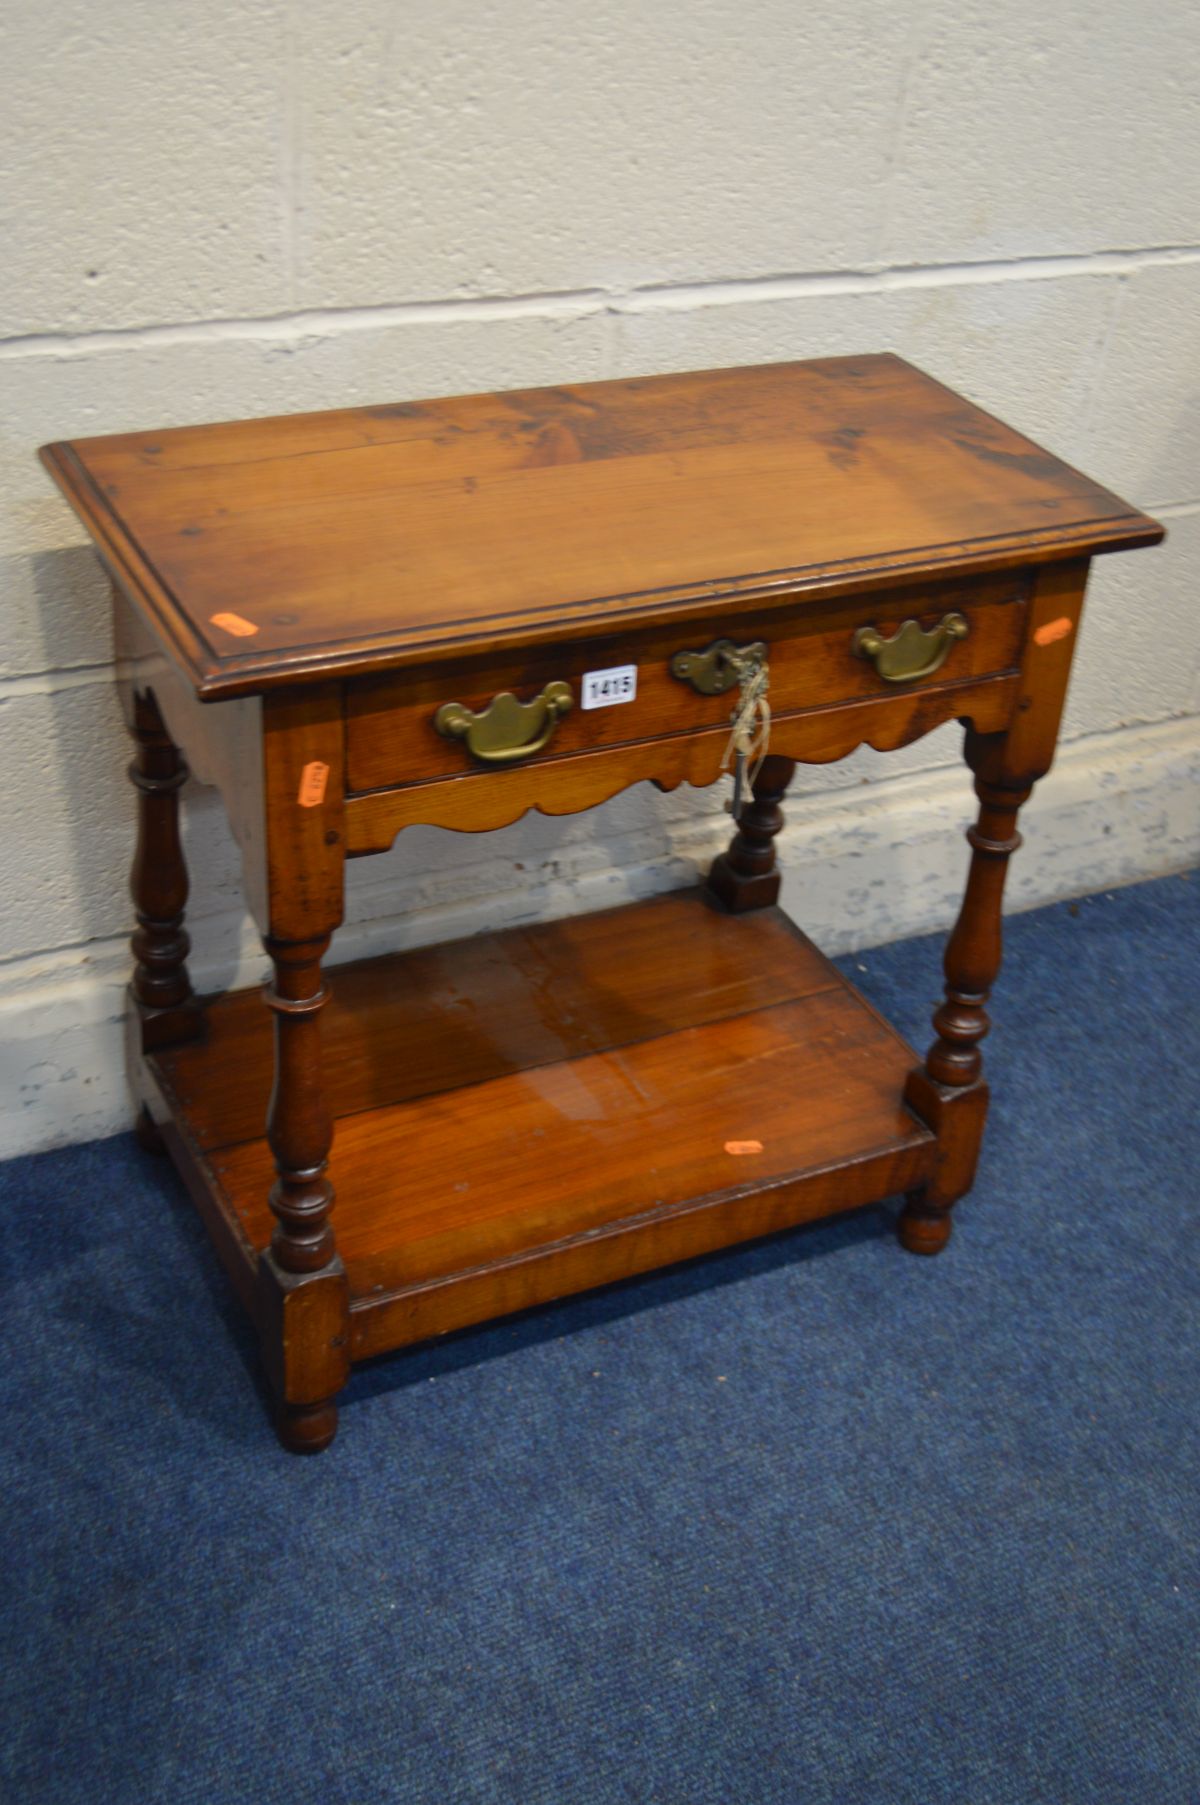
{"x": 232, "y": 209}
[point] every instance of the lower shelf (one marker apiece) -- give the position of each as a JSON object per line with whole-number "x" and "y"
{"x": 531, "y": 1113}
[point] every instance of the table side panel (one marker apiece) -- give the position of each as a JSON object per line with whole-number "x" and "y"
{"x": 222, "y": 744}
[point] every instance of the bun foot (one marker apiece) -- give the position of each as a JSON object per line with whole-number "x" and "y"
{"x": 922, "y": 1230}
{"x": 306, "y": 1428}
{"x": 147, "y": 1132}
{"x": 739, "y": 891}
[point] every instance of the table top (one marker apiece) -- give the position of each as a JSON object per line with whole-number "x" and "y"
{"x": 277, "y": 551}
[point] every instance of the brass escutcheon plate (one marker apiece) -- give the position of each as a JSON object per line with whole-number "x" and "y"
{"x": 719, "y": 667}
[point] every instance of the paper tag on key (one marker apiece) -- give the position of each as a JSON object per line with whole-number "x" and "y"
{"x": 750, "y": 732}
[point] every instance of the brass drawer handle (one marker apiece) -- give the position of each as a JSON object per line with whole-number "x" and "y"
{"x": 507, "y": 730}
{"x": 911, "y": 652}
{"x": 719, "y": 666}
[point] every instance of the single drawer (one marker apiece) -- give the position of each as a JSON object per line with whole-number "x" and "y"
{"x": 816, "y": 657}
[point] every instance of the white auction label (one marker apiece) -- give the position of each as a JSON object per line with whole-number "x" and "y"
{"x": 604, "y": 689}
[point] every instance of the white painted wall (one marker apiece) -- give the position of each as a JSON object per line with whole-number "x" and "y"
{"x": 258, "y": 206}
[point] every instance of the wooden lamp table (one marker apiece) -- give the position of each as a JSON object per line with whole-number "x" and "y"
{"x": 451, "y": 612}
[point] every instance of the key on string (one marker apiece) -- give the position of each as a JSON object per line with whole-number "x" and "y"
{"x": 751, "y": 725}
{"x": 734, "y": 803}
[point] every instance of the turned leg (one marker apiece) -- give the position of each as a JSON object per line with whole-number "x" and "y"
{"x": 161, "y": 990}
{"x": 747, "y": 876}
{"x": 949, "y": 1092}
{"x": 302, "y": 1283}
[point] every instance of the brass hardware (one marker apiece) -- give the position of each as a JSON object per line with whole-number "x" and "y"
{"x": 507, "y": 730}
{"x": 719, "y": 666}
{"x": 911, "y": 652}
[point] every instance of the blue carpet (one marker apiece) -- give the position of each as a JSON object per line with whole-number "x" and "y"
{"x": 811, "y": 1521}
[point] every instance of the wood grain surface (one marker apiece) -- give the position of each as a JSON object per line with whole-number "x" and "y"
{"x": 444, "y": 1017}
{"x": 458, "y": 1180}
{"x": 270, "y": 551}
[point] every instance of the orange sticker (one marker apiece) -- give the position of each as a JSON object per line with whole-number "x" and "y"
{"x": 235, "y": 624}
{"x": 743, "y": 1147}
{"x": 1053, "y": 629}
{"x": 313, "y": 779}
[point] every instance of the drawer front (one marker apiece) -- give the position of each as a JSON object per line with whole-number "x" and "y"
{"x": 391, "y": 739}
